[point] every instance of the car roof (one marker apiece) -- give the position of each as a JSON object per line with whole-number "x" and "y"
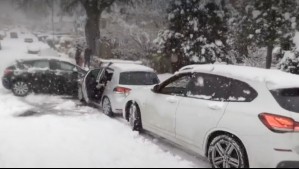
{"x": 274, "y": 79}
{"x": 123, "y": 67}
{"x": 45, "y": 58}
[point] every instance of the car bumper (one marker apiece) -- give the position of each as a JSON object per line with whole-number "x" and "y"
{"x": 274, "y": 151}
{"x": 288, "y": 164}
{"x": 6, "y": 83}
{"x": 117, "y": 102}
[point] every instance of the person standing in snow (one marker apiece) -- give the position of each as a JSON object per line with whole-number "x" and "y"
{"x": 87, "y": 57}
{"x": 78, "y": 56}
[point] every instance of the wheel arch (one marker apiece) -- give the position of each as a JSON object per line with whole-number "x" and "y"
{"x": 217, "y": 133}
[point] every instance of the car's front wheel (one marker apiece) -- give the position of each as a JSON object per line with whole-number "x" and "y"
{"x": 21, "y": 88}
{"x": 226, "y": 152}
{"x": 135, "y": 117}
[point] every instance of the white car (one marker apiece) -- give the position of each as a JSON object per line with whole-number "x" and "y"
{"x": 34, "y": 48}
{"x": 235, "y": 116}
{"x": 109, "y": 86}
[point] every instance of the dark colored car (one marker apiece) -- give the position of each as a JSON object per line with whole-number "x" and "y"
{"x": 28, "y": 40}
{"x": 14, "y": 35}
{"x": 49, "y": 76}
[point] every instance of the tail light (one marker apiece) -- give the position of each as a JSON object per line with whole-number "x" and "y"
{"x": 8, "y": 72}
{"x": 122, "y": 90}
{"x": 279, "y": 124}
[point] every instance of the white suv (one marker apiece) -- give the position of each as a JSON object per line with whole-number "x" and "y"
{"x": 235, "y": 116}
{"x": 108, "y": 87}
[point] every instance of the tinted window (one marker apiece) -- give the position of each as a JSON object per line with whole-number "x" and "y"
{"x": 138, "y": 78}
{"x": 219, "y": 88}
{"x": 66, "y": 66}
{"x": 287, "y": 98}
{"x": 176, "y": 86}
{"x": 209, "y": 87}
{"x": 56, "y": 65}
{"x": 41, "y": 64}
{"x": 241, "y": 92}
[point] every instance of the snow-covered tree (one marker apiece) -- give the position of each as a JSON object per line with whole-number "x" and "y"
{"x": 268, "y": 23}
{"x": 196, "y": 34}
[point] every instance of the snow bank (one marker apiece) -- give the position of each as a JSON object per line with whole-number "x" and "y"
{"x": 89, "y": 140}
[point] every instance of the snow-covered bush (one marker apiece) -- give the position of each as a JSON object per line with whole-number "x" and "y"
{"x": 196, "y": 33}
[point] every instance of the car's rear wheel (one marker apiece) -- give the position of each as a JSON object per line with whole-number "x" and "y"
{"x": 227, "y": 152}
{"x": 135, "y": 117}
{"x": 107, "y": 108}
{"x": 21, "y": 88}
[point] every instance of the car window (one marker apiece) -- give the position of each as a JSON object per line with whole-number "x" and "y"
{"x": 66, "y": 66}
{"x": 242, "y": 92}
{"x": 209, "y": 87}
{"x": 56, "y": 65}
{"x": 176, "y": 86}
{"x": 43, "y": 64}
{"x": 138, "y": 78}
{"x": 219, "y": 88}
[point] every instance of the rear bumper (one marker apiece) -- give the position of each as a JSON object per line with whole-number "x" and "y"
{"x": 117, "y": 102}
{"x": 6, "y": 83}
{"x": 288, "y": 164}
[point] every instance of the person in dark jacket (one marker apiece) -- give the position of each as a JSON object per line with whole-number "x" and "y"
{"x": 87, "y": 57}
{"x": 78, "y": 56}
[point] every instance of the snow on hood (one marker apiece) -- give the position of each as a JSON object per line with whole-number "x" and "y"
{"x": 274, "y": 79}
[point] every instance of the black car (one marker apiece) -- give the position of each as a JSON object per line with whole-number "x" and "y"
{"x": 14, "y": 35}
{"x": 50, "y": 76}
{"x": 28, "y": 40}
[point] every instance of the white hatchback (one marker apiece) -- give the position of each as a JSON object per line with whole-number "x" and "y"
{"x": 108, "y": 86}
{"x": 235, "y": 116}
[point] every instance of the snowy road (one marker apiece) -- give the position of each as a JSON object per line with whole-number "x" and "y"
{"x": 53, "y": 131}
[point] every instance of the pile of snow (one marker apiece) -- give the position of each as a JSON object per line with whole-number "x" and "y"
{"x": 275, "y": 79}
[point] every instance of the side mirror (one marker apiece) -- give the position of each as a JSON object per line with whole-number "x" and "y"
{"x": 156, "y": 89}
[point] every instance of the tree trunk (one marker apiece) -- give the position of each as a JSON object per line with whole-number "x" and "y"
{"x": 92, "y": 31}
{"x": 269, "y": 56}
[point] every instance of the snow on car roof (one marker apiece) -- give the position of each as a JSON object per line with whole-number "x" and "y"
{"x": 125, "y": 67}
{"x": 274, "y": 79}
{"x": 33, "y": 58}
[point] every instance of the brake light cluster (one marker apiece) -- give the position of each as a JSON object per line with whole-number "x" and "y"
{"x": 122, "y": 90}
{"x": 279, "y": 124}
{"x": 8, "y": 72}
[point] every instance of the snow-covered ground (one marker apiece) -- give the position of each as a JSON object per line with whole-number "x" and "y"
{"x": 56, "y": 131}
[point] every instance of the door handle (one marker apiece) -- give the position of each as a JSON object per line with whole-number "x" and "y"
{"x": 172, "y": 99}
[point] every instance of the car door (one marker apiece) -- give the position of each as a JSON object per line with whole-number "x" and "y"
{"x": 69, "y": 73}
{"x": 161, "y": 106}
{"x": 90, "y": 81}
{"x": 40, "y": 73}
{"x": 202, "y": 109}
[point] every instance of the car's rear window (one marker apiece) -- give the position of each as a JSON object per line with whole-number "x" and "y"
{"x": 287, "y": 98}
{"x": 138, "y": 78}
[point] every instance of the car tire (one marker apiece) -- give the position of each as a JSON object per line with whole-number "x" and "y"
{"x": 227, "y": 152}
{"x": 20, "y": 88}
{"x": 107, "y": 108}
{"x": 135, "y": 117}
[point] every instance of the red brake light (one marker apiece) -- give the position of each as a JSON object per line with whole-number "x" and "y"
{"x": 8, "y": 72}
{"x": 279, "y": 124}
{"x": 122, "y": 90}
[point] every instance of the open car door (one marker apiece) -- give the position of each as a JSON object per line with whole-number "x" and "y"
{"x": 90, "y": 83}
{"x": 91, "y": 87}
